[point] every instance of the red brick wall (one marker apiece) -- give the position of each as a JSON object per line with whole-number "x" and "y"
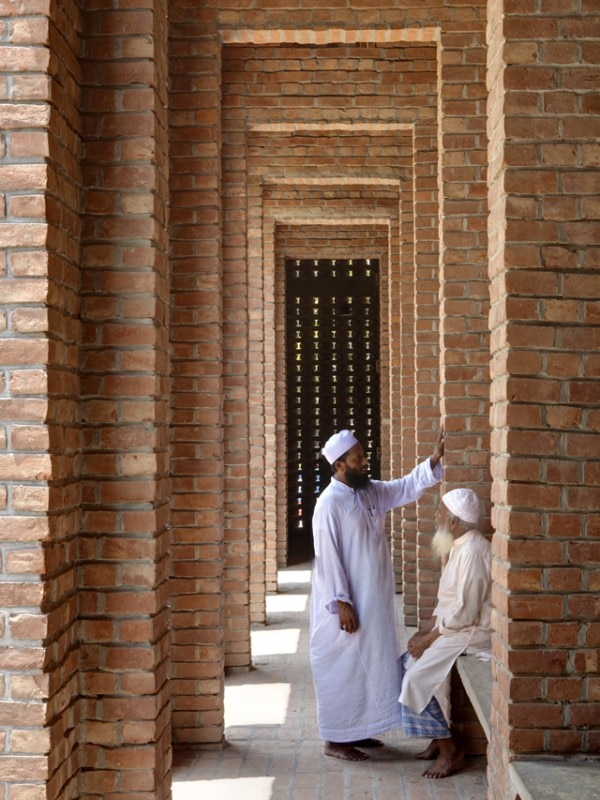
{"x": 463, "y": 266}
{"x": 143, "y": 425}
{"x": 464, "y": 292}
{"x": 39, "y": 428}
{"x": 197, "y": 416}
{"x": 123, "y": 546}
{"x": 543, "y": 253}
{"x": 63, "y": 200}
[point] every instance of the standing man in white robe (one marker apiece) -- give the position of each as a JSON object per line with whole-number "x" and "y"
{"x": 353, "y": 645}
{"x": 461, "y": 622}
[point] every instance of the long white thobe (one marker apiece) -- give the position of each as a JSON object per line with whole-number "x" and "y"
{"x": 356, "y": 675}
{"x": 463, "y": 618}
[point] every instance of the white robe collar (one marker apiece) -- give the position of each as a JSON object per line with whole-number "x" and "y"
{"x": 464, "y": 538}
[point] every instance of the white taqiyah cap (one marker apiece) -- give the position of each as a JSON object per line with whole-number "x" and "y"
{"x": 463, "y": 503}
{"x": 338, "y": 444}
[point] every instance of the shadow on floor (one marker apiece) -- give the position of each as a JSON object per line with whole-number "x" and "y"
{"x": 274, "y": 750}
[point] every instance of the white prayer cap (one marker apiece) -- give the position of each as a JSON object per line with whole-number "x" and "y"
{"x": 463, "y": 503}
{"x": 338, "y": 444}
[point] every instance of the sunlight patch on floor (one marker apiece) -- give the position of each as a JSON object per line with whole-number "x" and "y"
{"x": 284, "y": 603}
{"x": 225, "y": 789}
{"x": 276, "y": 642}
{"x": 262, "y": 704}
{"x": 294, "y": 576}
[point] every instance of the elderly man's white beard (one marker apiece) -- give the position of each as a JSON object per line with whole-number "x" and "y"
{"x": 442, "y": 542}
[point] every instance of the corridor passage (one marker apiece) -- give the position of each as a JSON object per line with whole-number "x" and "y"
{"x": 274, "y": 750}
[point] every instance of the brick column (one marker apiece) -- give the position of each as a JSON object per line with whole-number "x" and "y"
{"x": 463, "y": 259}
{"x": 402, "y": 407}
{"x": 544, "y": 247}
{"x": 426, "y": 336}
{"x": 197, "y": 595}
{"x": 124, "y": 546}
{"x": 242, "y": 359}
{"x": 39, "y": 388}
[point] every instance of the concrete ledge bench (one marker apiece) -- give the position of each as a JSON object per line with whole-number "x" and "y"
{"x": 556, "y": 780}
{"x": 476, "y": 677}
{"x": 535, "y": 779}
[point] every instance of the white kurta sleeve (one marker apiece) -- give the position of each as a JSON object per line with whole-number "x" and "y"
{"x": 405, "y": 490}
{"x": 330, "y": 573}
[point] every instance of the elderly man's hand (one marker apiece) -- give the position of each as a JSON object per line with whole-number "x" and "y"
{"x": 420, "y": 641}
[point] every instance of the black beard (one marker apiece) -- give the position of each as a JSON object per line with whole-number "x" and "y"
{"x": 357, "y": 480}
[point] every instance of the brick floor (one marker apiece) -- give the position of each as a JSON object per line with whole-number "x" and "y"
{"x": 274, "y": 750}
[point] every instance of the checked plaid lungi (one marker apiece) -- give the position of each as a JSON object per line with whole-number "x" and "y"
{"x": 430, "y": 723}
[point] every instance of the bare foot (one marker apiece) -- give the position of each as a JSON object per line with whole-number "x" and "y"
{"x": 344, "y": 751}
{"x": 367, "y": 743}
{"x": 430, "y": 752}
{"x": 447, "y": 762}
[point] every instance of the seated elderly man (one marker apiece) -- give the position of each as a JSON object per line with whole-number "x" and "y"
{"x": 460, "y": 623}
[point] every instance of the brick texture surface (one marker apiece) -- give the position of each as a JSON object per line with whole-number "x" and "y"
{"x": 157, "y": 166}
{"x": 123, "y": 545}
{"x": 543, "y": 377}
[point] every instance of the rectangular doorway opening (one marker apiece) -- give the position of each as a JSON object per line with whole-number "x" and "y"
{"x": 332, "y": 369}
